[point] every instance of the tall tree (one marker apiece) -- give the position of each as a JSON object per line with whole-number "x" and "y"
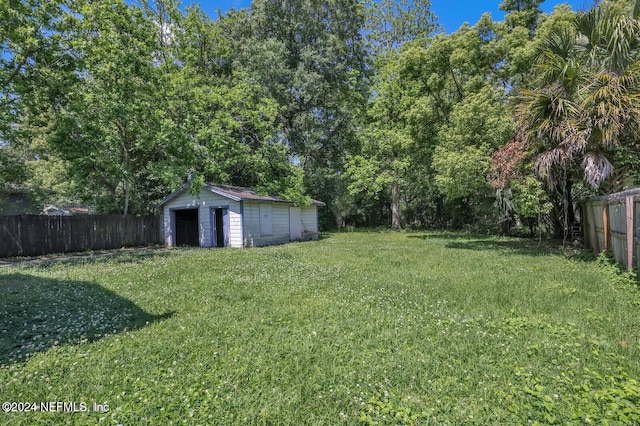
{"x": 219, "y": 123}
{"x": 107, "y": 130}
{"x": 386, "y": 145}
{"x": 461, "y": 109}
{"x": 34, "y": 51}
{"x": 380, "y": 168}
{"x": 523, "y": 13}
{"x": 310, "y": 58}
{"x": 477, "y": 126}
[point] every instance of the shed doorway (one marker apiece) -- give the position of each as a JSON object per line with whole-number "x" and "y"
{"x": 186, "y": 222}
{"x": 220, "y": 227}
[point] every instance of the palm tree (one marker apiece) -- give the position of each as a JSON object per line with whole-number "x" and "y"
{"x": 585, "y": 115}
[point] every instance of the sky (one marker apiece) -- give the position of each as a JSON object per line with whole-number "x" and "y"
{"x": 451, "y": 14}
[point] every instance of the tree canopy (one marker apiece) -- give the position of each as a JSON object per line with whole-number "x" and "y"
{"x": 368, "y": 106}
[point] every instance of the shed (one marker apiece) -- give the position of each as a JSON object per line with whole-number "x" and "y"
{"x": 231, "y": 216}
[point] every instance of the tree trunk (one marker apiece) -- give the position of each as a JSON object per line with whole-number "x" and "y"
{"x": 395, "y": 206}
{"x": 570, "y": 214}
{"x": 563, "y": 215}
{"x": 127, "y": 189}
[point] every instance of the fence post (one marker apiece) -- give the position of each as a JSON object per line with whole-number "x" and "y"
{"x": 630, "y": 233}
{"x": 605, "y": 226}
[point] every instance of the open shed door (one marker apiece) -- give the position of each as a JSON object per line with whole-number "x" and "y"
{"x": 295, "y": 224}
{"x": 186, "y": 227}
{"x": 220, "y": 227}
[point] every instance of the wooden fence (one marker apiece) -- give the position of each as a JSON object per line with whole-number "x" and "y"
{"x": 31, "y": 235}
{"x": 611, "y": 224}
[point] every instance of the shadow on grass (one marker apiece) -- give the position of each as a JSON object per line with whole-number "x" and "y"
{"x": 325, "y": 235}
{"x": 37, "y": 314}
{"x": 444, "y": 235}
{"x": 518, "y": 246}
{"x": 98, "y": 258}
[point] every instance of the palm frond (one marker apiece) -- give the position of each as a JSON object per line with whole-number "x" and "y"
{"x": 587, "y": 25}
{"x": 597, "y": 168}
{"x": 620, "y": 35}
{"x": 549, "y": 162}
{"x": 559, "y": 44}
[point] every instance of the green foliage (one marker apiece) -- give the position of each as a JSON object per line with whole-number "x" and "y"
{"x": 310, "y": 58}
{"x": 381, "y": 408}
{"x": 522, "y": 13}
{"x": 387, "y": 148}
{"x": 462, "y": 172}
{"x": 584, "y": 106}
{"x": 477, "y": 125}
{"x": 367, "y": 176}
{"x": 530, "y": 200}
{"x": 394, "y": 23}
{"x": 149, "y": 96}
{"x": 358, "y": 104}
{"x": 454, "y": 91}
{"x": 12, "y": 168}
{"x": 34, "y": 54}
{"x": 111, "y": 112}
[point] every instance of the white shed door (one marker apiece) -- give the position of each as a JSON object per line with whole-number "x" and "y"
{"x": 295, "y": 224}
{"x": 266, "y": 220}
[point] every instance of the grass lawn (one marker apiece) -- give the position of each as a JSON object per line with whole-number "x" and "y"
{"x": 358, "y": 328}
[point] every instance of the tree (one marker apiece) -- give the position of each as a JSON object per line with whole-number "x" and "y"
{"x": 34, "y": 52}
{"x": 219, "y": 123}
{"x": 386, "y": 146}
{"x": 459, "y": 114}
{"x": 392, "y": 24}
{"x": 37, "y": 63}
{"x": 524, "y": 13}
{"x": 518, "y": 192}
{"x": 12, "y": 168}
{"x": 381, "y": 166}
{"x": 106, "y": 131}
{"x": 309, "y": 57}
{"x": 477, "y": 126}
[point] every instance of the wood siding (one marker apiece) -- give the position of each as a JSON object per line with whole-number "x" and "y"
{"x": 204, "y": 203}
{"x": 280, "y": 218}
{"x": 309, "y": 217}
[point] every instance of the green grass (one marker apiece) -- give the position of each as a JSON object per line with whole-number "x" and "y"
{"x": 356, "y": 328}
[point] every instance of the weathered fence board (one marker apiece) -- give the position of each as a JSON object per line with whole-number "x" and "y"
{"x": 31, "y": 235}
{"x": 611, "y": 224}
{"x": 636, "y": 236}
{"x": 618, "y": 231}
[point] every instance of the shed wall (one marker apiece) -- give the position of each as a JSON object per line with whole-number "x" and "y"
{"x": 309, "y": 217}
{"x": 280, "y": 218}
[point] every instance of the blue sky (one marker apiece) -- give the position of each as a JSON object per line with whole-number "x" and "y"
{"x": 451, "y": 14}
